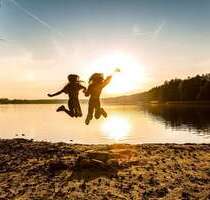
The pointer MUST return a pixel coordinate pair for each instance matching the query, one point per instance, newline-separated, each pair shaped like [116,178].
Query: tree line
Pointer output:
[195,88]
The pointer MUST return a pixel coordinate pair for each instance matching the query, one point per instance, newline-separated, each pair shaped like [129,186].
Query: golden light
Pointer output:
[116,128]
[130,77]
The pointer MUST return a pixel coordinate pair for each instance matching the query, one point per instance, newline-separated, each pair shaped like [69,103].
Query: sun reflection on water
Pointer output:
[116,128]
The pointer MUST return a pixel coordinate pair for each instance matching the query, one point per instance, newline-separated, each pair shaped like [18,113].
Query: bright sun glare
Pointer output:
[129,78]
[116,128]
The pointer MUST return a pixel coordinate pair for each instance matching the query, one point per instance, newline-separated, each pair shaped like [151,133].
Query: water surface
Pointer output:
[125,124]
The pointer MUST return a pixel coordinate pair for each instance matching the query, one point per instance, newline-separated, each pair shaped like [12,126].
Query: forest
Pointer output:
[195,88]
[191,90]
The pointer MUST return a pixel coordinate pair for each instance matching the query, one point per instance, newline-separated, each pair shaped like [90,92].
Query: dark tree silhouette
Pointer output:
[191,89]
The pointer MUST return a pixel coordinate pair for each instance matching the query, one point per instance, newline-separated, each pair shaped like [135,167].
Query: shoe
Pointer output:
[78,115]
[87,121]
[97,114]
[61,108]
[103,112]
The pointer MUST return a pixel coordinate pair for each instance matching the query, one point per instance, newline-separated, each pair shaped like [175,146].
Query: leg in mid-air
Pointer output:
[97,108]
[77,108]
[70,112]
[91,108]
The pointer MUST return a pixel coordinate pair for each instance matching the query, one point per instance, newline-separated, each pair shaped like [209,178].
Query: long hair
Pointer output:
[96,77]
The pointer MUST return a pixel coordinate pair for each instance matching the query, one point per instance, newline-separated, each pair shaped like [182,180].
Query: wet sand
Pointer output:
[41,170]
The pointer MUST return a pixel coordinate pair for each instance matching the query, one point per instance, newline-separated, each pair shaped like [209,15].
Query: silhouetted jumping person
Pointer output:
[96,84]
[72,89]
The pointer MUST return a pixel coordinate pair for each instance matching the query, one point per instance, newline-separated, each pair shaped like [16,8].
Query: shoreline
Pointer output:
[42,170]
[108,101]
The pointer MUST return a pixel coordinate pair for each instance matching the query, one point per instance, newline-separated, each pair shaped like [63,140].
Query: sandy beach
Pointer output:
[41,170]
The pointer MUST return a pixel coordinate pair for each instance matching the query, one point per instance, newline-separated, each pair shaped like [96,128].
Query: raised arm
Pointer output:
[107,81]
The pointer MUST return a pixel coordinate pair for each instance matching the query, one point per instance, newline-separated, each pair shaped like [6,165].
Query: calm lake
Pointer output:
[125,124]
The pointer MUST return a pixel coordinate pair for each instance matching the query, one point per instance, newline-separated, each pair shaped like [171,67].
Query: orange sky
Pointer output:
[44,41]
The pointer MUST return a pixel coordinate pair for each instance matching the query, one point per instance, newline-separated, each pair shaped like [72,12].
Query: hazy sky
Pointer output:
[42,41]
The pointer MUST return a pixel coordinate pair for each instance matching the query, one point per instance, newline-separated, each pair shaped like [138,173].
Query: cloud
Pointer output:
[138,32]
[158,29]
[150,34]
[36,18]
[2,39]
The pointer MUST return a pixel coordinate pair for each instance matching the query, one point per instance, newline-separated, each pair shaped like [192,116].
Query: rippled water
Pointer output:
[125,124]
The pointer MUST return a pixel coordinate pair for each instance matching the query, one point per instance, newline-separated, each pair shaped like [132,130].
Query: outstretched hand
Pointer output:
[49,95]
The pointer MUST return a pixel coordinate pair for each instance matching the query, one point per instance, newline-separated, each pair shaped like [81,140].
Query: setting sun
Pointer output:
[127,73]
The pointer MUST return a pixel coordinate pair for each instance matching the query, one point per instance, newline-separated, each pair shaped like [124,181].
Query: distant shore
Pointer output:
[32,101]
[41,170]
[117,101]
[181,102]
